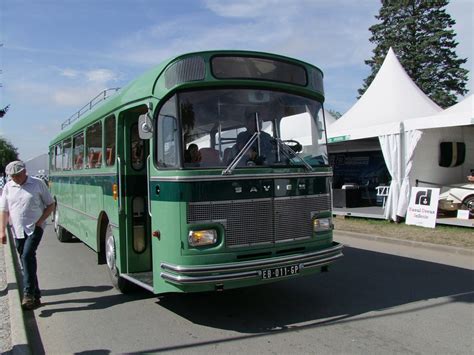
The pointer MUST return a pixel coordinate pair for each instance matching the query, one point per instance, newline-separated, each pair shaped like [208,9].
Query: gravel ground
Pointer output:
[5,341]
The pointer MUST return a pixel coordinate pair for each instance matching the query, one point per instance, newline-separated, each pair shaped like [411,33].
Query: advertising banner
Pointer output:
[423,207]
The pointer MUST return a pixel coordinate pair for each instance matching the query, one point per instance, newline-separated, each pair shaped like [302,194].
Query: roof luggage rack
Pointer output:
[104,95]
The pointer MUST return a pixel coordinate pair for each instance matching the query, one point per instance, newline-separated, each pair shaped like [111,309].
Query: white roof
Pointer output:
[461,114]
[391,98]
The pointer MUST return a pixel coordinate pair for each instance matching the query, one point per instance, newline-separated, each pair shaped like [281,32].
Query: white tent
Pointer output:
[455,124]
[391,98]
[461,114]
[330,119]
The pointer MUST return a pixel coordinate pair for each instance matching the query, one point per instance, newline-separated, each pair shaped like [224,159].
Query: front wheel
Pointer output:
[111,257]
[468,204]
[62,234]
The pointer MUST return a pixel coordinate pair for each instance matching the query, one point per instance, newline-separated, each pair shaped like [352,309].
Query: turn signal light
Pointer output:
[115,191]
[202,237]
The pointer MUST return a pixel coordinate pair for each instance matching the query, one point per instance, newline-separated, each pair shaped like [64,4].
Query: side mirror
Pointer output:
[145,126]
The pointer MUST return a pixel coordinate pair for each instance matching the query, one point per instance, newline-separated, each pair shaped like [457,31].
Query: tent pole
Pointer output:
[401,165]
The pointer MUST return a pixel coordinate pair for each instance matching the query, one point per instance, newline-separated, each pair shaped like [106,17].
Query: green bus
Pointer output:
[209,172]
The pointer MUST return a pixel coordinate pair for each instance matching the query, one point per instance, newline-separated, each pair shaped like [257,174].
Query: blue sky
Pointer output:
[58,54]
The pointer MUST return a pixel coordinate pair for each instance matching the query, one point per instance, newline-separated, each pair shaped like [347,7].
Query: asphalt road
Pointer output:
[372,301]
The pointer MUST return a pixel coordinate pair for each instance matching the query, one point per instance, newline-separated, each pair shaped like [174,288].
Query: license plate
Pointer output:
[277,272]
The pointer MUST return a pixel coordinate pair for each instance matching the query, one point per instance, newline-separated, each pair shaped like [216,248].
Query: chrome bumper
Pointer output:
[201,274]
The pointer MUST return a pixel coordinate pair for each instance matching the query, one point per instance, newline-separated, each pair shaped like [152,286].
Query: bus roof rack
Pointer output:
[103,95]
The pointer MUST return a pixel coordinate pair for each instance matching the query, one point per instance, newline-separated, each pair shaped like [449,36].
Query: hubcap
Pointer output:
[56,220]
[110,251]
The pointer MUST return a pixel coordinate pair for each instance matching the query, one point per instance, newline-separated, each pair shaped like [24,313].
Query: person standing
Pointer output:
[26,202]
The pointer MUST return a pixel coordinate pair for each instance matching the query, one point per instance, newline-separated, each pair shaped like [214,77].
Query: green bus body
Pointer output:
[270,220]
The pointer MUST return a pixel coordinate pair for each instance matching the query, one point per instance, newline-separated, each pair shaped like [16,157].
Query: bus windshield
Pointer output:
[250,128]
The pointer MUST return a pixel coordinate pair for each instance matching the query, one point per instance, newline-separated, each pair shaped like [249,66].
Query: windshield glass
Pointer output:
[249,128]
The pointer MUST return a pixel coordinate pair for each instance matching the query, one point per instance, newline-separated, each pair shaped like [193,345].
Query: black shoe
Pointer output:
[28,302]
[37,303]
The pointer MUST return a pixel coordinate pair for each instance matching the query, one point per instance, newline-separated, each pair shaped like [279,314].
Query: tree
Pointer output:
[3,111]
[420,32]
[8,153]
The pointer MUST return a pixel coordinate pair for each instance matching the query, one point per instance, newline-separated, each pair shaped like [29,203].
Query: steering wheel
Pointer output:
[295,145]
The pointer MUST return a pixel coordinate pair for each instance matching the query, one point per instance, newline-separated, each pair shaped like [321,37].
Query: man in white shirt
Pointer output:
[26,202]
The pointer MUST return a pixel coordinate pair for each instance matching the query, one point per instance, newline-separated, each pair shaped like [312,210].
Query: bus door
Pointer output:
[137,220]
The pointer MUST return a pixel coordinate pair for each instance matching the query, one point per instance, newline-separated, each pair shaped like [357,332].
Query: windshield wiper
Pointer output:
[290,153]
[230,168]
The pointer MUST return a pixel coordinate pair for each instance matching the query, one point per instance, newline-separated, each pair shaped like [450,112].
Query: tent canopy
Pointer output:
[461,114]
[391,98]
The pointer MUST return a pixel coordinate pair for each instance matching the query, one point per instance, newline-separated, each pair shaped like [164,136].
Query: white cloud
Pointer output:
[241,8]
[298,29]
[101,75]
[75,97]
[69,73]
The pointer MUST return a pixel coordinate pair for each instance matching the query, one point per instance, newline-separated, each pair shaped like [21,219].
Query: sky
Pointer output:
[58,54]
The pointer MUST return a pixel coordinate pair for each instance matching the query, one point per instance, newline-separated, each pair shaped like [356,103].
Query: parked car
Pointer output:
[461,196]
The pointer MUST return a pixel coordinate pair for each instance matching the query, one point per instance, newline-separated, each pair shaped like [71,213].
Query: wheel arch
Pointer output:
[102,223]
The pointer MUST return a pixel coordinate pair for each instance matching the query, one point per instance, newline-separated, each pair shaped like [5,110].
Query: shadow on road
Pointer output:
[362,282]
[66,290]
[91,303]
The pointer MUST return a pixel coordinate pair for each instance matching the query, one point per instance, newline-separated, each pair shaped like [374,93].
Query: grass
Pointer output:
[446,235]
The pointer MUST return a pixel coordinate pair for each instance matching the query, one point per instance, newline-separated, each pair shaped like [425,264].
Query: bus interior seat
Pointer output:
[78,162]
[110,156]
[95,159]
[209,156]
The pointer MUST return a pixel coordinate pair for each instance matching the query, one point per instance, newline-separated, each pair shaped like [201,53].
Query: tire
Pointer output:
[62,234]
[119,282]
[468,204]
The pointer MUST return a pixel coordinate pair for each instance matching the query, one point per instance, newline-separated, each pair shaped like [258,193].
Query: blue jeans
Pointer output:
[27,249]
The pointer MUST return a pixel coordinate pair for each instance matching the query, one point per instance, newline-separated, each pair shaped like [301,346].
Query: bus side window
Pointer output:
[67,150]
[109,140]
[78,149]
[58,155]
[94,145]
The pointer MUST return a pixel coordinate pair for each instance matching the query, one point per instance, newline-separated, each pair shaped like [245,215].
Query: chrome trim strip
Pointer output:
[79,174]
[204,279]
[237,177]
[238,276]
[78,211]
[246,265]
[223,202]
[300,196]
[85,214]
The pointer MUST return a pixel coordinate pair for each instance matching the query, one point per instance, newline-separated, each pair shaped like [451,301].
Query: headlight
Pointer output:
[322,224]
[202,237]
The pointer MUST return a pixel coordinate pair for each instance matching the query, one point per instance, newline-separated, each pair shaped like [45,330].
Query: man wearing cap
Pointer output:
[27,202]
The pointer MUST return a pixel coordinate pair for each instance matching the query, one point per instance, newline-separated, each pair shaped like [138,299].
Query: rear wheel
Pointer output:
[62,234]
[111,257]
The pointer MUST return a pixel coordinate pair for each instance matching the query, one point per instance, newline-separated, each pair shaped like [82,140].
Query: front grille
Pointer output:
[250,222]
